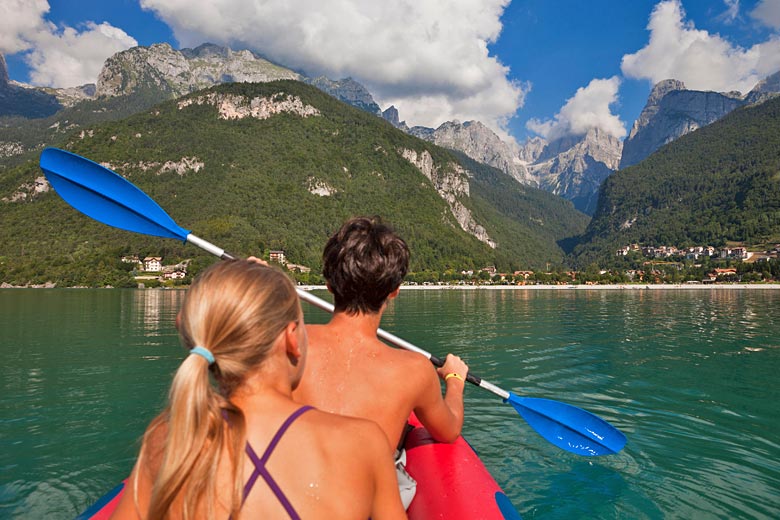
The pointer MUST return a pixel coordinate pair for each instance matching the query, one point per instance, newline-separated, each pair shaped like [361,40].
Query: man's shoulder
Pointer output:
[411,358]
[349,428]
[414,366]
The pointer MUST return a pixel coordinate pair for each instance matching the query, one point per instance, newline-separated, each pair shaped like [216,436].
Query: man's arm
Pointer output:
[443,416]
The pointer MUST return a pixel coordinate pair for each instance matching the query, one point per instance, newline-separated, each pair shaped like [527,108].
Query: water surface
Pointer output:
[691,377]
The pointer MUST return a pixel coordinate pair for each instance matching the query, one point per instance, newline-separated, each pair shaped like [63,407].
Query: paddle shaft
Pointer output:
[382,334]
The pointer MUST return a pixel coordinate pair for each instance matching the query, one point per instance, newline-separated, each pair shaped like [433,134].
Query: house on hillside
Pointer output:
[174,272]
[278,257]
[298,268]
[153,264]
[734,252]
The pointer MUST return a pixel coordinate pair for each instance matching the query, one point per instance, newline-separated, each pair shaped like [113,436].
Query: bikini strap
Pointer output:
[281,431]
[261,470]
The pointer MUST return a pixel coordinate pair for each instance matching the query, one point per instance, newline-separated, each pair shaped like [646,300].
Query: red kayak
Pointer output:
[452,483]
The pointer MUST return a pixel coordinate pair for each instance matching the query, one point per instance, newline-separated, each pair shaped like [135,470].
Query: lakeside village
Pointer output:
[150,271]
[635,264]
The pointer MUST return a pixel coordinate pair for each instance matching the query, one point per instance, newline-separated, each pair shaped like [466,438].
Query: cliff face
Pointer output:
[575,166]
[451,184]
[671,112]
[162,69]
[238,107]
[3,73]
[481,144]
[572,167]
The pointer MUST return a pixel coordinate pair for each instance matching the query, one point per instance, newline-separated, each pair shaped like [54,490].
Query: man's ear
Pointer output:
[394,293]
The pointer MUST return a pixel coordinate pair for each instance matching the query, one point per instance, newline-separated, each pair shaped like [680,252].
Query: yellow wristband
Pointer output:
[453,375]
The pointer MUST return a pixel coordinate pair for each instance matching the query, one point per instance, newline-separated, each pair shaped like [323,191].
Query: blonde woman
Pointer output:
[240,447]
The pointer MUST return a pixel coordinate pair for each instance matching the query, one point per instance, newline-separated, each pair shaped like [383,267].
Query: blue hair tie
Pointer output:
[204,353]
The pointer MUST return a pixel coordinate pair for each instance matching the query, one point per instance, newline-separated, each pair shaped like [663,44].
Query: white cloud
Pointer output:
[19,19]
[703,61]
[68,58]
[588,108]
[57,57]
[427,57]
[767,12]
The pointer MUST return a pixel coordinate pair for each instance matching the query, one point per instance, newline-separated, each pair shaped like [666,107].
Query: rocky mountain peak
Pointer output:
[21,100]
[207,51]
[672,111]
[349,91]
[162,68]
[574,167]
[662,88]
[481,144]
[390,114]
[765,89]
[532,149]
[659,91]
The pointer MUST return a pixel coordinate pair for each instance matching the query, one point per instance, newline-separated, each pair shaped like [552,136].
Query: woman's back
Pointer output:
[320,464]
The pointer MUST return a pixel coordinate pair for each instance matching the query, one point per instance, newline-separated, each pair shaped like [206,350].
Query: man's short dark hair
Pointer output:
[363,262]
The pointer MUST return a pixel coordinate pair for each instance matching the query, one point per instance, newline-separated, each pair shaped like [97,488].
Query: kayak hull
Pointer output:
[452,483]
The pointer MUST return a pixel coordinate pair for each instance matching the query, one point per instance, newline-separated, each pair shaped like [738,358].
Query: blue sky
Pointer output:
[523,67]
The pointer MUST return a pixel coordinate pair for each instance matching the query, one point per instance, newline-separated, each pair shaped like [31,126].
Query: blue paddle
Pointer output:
[111,199]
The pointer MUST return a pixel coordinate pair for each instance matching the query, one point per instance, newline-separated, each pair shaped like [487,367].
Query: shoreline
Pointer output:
[540,287]
[576,287]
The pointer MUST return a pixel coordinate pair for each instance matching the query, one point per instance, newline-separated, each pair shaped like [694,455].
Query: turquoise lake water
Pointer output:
[692,377]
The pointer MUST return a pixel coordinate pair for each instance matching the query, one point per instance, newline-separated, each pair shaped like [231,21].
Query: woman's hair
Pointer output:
[236,310]
[363,262]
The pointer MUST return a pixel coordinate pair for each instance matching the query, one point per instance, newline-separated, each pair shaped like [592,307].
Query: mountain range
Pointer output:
[576,168]
[572,167]
[276,165]
[715,186]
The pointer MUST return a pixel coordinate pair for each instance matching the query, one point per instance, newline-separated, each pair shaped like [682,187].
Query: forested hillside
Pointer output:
[283,182]
[716,185]
[31,134]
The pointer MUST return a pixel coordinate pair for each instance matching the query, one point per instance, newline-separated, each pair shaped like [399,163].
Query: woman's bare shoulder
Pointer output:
[154,446]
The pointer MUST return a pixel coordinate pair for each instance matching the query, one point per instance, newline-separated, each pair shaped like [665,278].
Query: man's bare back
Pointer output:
[349,370]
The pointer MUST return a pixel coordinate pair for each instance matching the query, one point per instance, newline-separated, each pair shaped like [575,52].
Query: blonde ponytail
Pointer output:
[234,310]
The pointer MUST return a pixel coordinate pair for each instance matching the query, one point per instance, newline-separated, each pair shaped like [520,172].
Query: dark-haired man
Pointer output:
[349,371]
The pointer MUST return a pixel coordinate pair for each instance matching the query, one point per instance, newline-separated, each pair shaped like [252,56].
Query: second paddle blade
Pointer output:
[568,427]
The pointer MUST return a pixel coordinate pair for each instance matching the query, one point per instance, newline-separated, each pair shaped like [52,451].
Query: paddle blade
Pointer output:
[568,427]
[105,196]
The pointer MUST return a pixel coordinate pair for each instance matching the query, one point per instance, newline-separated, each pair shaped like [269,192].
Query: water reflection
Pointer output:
[75,397]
